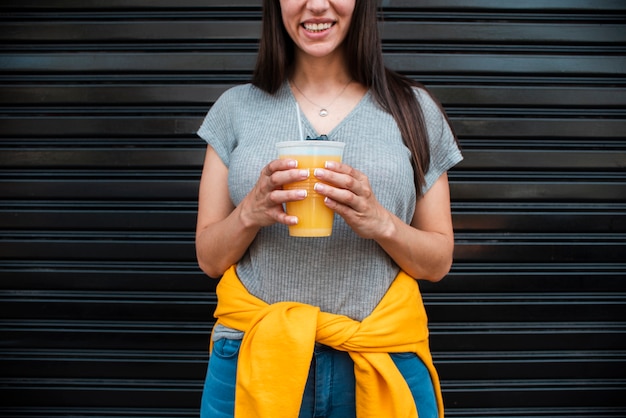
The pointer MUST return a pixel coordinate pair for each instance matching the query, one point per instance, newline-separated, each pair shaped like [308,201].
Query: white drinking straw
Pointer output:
[299,122]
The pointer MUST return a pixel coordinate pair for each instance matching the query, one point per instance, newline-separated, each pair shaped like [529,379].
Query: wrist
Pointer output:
[388,228]
[245,218]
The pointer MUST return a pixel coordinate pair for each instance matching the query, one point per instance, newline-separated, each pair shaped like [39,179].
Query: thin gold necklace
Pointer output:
[323,109]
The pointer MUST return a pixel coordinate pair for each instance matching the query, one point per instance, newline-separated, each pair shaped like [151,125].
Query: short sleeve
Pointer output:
[217,128]
[444,150]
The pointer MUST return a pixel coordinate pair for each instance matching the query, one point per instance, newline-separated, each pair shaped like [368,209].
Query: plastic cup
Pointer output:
[315,219]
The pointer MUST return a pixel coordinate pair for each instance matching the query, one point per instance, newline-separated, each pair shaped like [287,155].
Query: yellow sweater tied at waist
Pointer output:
[279,339]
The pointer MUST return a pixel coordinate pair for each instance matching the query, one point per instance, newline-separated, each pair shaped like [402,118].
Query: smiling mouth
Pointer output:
[317,27]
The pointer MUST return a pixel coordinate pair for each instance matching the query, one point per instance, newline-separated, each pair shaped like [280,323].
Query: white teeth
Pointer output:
[317,27]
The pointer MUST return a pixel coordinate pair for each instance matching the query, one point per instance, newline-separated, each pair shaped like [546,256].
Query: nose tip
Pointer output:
[317,5]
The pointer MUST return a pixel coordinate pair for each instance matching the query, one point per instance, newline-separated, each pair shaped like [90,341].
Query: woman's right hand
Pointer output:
[263,206]
[220,222]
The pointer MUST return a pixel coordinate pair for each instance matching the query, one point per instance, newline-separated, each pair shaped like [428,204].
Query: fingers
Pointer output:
[279,165]
[267,198]
[342,175]
[281,172]
[348,184]
[348,192]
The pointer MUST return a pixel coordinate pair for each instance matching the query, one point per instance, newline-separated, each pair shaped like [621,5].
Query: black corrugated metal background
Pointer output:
[104,312]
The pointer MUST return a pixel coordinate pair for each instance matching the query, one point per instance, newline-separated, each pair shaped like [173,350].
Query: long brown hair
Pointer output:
[393,92]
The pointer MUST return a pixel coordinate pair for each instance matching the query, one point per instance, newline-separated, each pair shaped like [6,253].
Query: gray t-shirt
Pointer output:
[343,273]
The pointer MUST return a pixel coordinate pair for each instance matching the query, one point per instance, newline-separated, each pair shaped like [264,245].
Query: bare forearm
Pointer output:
[421,254]
[224,232]
[222,244]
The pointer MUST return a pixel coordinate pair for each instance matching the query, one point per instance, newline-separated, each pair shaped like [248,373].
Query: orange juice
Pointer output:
[314,218]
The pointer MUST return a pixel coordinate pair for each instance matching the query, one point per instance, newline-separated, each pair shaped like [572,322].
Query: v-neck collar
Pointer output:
[305,121]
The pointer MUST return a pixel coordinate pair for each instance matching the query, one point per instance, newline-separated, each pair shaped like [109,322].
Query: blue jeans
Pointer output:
[330,387]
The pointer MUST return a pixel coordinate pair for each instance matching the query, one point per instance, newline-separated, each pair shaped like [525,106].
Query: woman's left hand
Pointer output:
[423,248]
[349,194]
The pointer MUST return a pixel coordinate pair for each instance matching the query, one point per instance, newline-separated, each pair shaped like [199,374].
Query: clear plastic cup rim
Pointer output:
[311,142]
[308,146]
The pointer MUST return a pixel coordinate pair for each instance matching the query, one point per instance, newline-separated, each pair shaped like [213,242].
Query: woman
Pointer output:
[324,327]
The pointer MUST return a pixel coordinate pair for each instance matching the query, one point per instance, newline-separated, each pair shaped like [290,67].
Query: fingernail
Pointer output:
[302,193]
[329,164]
[304,173]
[292,163]
[318,173]
[318,187]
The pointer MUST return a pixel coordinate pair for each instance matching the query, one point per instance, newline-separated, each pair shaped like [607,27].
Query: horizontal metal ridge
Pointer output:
[440,357]
[131,5]
[451,411]
[487,48]
[184,327]
[533,385]
[470,92]
[100,412]
[540,412]
[538,207]
[178,385]
[461,5]
[179,268]
[523,356]
[105,235]
[574,269]
[99,384]
[542,237]
[101,142]
[422,61]
[530,328]
[133,327]
[109,236]
[498,299]
[106,111]
[68,354]
[188,301]
[548,143]
[194,6]
[85,206]
[119,297]
[90,175]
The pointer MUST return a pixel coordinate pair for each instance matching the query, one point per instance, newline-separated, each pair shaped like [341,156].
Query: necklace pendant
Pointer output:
[323,112]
